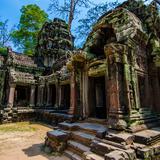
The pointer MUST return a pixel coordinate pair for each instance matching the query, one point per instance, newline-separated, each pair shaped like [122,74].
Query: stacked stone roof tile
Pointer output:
[21,77]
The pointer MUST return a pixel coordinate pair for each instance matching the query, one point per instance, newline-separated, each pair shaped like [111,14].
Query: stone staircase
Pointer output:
[143,119]
[79,145]
[91,141]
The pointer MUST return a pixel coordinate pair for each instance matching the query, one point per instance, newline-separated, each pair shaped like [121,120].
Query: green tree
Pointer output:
[31,20]
[68,8]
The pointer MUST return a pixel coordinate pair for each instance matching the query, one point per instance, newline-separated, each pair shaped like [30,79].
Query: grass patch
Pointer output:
[17,127]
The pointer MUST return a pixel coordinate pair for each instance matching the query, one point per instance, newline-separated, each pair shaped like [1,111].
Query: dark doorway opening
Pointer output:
[97,97]
[22,96]
[141,86]
[65,97]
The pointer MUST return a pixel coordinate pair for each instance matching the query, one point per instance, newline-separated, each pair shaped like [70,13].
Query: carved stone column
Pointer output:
[48,95]
[115,86]
[41,95]
[73,97]
[38,96]
[11,95]
[57,95]
[85,98]
[32,96]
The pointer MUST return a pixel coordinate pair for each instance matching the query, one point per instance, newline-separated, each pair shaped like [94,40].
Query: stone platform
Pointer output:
[53,117]
[92,141]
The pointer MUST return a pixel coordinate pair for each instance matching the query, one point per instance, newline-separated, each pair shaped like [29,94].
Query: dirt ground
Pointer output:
[24,141]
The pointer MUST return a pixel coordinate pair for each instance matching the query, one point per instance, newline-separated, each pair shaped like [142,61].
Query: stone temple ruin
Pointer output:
[104,98]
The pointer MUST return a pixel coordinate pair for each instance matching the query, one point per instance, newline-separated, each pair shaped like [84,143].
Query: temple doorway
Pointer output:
[141,87]
[22,96]
[65,96]
[97,97]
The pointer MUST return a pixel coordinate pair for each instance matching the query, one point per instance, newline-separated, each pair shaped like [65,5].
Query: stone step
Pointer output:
[59,135]
[101,148]
[91,128]
[68,126]
[143,126]
[117,155]
[72,155]
[94,128]
[77,148]
[82,137]
[92,156]
[143,116]
[122,138]
[148,137]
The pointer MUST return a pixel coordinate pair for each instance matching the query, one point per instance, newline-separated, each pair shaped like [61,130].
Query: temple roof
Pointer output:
[21,59]
[123,23]
[21,77]
[54,39]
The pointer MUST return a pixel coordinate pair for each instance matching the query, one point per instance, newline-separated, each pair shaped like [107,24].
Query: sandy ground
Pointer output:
[25,145]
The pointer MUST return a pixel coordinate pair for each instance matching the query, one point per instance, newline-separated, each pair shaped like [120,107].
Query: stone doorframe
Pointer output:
[11,96]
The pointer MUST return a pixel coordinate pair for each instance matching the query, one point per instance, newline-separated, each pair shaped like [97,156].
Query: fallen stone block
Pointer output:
[145,153]
[123,138]
[58,135]
[116,155]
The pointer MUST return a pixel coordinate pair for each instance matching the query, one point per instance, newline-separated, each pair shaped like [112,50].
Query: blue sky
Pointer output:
[10,9]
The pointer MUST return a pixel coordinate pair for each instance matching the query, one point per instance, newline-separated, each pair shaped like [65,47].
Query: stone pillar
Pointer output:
[48,95]
[57,95]
[85,97]
[115,86]
[42,95]
[73,97]
[32,96]
[11,95]
[38,96]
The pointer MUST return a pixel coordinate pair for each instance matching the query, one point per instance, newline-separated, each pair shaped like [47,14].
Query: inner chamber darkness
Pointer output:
[53,94]
[22,95]
[97,97]
[65,96]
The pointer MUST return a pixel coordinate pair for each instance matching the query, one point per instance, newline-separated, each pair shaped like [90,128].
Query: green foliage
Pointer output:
[31,21]
[3,51]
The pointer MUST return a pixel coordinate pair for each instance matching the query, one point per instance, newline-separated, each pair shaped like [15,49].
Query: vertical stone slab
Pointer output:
[38,96]
[85,93]
[32,96]
[48,95]
[11,95]
[73,97]
[57,95]
[114,55]
[42,95]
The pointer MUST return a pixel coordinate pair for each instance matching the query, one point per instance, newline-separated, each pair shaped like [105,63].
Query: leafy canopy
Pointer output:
[31,20]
